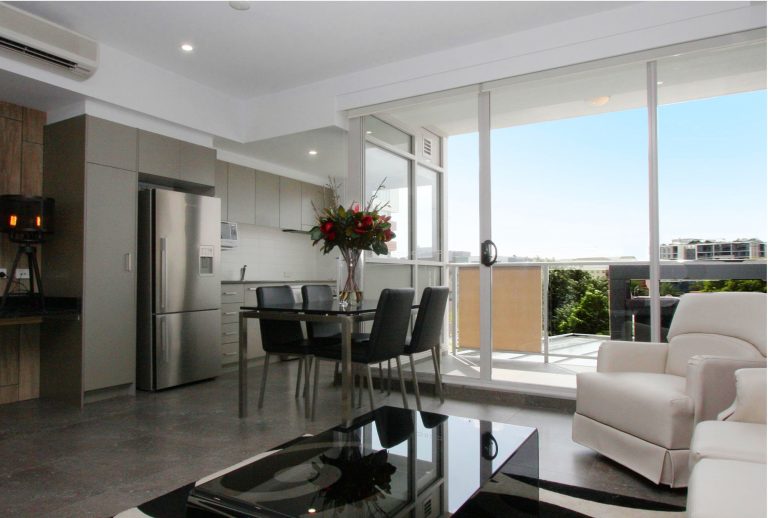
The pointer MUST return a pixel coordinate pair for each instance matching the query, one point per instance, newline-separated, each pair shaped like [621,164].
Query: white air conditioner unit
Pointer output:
[31,36]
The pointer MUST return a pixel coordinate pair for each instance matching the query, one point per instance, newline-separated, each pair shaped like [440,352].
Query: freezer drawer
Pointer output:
[188,347]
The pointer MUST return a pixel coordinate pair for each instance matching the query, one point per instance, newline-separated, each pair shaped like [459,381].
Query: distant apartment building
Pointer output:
[707,250]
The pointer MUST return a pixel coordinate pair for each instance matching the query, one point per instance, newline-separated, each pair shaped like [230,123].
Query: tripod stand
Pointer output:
[34,274]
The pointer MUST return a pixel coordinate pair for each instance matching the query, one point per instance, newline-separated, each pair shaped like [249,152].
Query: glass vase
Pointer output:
[349,278]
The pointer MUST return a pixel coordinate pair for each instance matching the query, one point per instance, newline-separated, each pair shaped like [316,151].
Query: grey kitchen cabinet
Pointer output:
[312,197]
[290,204]
[241,193]
[91,259]
[197,164]
[221,188]
[267,206]
[109,294]
[159,155]
[111,144]
[233,296]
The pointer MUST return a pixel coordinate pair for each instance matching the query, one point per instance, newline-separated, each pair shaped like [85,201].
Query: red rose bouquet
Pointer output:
[352,230]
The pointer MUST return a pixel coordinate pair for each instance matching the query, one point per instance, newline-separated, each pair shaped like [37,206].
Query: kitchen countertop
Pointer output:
[24,310]
[283,281]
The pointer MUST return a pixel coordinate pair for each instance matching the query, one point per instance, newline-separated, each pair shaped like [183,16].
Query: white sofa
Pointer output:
[642,404]
[728,456]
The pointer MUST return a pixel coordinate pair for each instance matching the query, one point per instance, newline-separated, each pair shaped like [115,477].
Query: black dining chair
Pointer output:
[385,341]
[282,337]
[319,331]
[426,335]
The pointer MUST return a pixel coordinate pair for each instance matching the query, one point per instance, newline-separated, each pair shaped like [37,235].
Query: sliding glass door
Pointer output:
[578,204]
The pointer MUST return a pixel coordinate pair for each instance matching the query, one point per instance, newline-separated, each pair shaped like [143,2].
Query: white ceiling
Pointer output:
[699,75]
[292,152]
[280,45]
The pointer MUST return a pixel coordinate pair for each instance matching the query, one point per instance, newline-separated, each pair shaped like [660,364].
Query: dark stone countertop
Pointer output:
[24,306]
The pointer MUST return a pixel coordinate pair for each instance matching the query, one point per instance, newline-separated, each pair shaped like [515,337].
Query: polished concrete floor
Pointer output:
[115,454]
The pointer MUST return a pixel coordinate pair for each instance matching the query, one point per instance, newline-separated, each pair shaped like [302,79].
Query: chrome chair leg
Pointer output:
[389,377]
[264,373]
[402,383]
[359,388]
[302,359]
[370,386]
[438,375]
[317,382]
[415,383]
[307,400]
[381,377]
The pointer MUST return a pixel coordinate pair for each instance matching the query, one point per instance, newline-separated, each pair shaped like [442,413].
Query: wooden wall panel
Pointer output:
[31,169]
[9,356]
[21,172]
[10,156]
[29,362]
[11,111]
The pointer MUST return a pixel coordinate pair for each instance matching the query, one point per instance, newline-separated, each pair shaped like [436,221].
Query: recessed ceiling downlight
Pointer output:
[601,100]
[240,6]
[187,47]
[313,152]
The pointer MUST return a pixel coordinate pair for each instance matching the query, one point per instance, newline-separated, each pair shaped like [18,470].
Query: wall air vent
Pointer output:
[428,508]
[427,148]
[29,36]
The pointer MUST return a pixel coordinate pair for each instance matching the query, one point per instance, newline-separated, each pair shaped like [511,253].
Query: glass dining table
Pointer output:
[348,317]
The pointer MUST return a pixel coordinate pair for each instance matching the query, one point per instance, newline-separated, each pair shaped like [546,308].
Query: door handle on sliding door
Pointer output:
[485,253]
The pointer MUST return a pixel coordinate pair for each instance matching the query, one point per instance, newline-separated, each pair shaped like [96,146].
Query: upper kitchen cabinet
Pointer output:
[166,157]
[290,204]
[158,155]
[221,186]
[111,144]
[312,197]
[241,194]
[197,164]
[267,200]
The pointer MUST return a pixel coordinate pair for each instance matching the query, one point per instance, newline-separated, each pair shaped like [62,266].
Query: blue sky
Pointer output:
[578,187]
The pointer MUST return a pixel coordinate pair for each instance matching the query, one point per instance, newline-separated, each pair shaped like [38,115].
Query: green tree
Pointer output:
[567,290]
[590,315]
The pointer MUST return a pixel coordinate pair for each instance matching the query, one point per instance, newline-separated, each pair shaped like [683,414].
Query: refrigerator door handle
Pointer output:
[127,262]
[163,273]
[164,346]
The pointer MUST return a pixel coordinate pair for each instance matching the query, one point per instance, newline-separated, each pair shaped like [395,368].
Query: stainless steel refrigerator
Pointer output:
[179,296]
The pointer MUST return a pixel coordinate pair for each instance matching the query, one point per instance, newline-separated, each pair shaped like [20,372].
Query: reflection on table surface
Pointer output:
[389,462]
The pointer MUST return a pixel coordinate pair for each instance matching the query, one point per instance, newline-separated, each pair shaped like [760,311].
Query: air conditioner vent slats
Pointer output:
[34,39]
[36,53]
[427,149]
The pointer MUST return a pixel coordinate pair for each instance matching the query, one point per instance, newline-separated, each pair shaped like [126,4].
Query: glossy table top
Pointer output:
[321,308]
[380,465]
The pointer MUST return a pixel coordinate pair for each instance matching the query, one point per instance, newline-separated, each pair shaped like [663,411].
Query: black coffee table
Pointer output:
[390,462]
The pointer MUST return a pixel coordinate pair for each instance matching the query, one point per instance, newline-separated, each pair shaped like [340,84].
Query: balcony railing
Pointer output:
[526,306]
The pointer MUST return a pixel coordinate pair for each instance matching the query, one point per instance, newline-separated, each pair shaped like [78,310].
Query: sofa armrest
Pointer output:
[711,383]
[750,403]
[617,356]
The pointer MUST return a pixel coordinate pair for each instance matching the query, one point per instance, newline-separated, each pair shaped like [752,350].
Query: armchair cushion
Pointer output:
[653,407]
[730,440]
[719,488]
[750,403]
[618,356]
[711,383]
[683,347]
[739,315]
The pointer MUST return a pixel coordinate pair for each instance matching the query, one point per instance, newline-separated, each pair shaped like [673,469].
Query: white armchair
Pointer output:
[642,404]
[728,456]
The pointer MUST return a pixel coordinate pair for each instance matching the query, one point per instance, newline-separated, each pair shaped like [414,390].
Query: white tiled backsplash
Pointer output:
[272,254]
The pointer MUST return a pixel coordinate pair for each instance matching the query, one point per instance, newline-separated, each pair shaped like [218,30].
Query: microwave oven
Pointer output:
[229,238]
